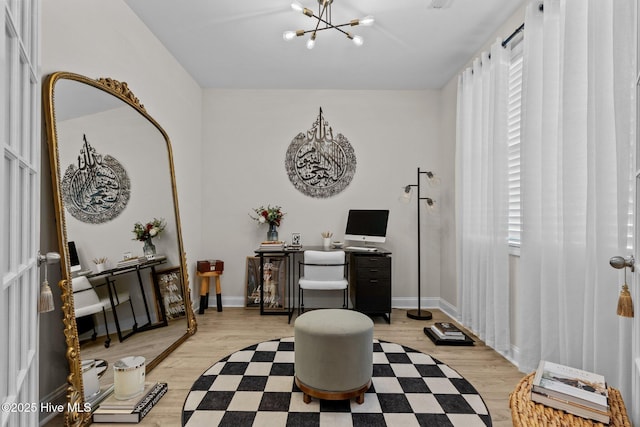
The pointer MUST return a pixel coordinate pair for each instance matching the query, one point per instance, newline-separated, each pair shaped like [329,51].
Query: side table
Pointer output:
[526,413]
[204,289]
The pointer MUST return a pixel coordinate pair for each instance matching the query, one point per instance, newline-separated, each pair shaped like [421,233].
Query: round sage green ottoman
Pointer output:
[333,354]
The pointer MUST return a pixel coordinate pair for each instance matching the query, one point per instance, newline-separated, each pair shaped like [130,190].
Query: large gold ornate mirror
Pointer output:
[112,168]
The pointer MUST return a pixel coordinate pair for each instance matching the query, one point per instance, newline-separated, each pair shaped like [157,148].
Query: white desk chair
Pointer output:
[323,271]
[87,303]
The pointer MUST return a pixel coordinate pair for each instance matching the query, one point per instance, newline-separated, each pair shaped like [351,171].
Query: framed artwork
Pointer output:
[275,282]
[296,240]
[170,285]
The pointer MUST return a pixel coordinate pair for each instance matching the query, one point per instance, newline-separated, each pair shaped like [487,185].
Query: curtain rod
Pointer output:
[515,33]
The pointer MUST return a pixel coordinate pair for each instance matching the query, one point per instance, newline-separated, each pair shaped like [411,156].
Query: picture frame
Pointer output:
[169,281]
[276,279]
[296,239]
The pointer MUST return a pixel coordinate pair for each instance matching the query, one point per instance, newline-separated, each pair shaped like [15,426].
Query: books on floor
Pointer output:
[447,331]
[132,410]
[573,390]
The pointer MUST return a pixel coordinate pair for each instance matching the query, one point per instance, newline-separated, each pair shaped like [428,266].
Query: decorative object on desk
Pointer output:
[275,280]
[101,264]
[170,286]
[145,232]
[573,390]
[319,164]
[326,239]
[625,303]
[269,215]
[296,240]
[419,314]
[108,413]
[97,189]
[337,245]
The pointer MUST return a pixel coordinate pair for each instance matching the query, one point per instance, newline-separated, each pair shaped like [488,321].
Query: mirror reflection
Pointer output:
[120,230]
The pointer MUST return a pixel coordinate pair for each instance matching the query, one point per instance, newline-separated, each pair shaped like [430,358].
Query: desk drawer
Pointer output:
[379,262]
[365,275]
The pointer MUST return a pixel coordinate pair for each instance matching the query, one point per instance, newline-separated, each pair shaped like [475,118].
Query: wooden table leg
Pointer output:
[218,293]
[204,293]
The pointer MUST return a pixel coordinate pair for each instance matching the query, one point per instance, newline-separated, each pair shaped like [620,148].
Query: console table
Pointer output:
[369,279]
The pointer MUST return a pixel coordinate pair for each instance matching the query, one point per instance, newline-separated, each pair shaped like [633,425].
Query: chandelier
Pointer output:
[323,22]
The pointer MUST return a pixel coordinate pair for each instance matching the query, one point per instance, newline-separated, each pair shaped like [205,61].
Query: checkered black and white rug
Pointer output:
[255,387]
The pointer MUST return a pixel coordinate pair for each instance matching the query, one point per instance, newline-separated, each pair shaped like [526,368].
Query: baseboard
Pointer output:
[411,302]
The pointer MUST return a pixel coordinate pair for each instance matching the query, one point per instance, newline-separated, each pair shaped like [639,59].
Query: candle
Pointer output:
[128,377]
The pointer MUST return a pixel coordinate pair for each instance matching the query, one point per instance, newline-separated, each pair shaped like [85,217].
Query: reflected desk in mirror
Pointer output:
[121,294]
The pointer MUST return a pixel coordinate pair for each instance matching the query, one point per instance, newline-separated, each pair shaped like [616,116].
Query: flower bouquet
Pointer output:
[150,229]
[269,215]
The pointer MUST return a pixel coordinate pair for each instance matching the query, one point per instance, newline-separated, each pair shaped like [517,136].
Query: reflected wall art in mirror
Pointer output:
[118,231]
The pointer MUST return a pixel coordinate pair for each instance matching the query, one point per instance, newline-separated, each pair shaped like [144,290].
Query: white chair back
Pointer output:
[324,272]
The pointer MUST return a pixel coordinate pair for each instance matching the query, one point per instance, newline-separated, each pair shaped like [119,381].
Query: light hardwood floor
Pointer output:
[220,334]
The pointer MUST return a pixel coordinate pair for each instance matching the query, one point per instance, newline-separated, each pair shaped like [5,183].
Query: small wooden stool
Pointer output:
[204,290]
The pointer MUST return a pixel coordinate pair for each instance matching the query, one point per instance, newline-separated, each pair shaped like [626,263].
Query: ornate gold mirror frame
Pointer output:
[76,414]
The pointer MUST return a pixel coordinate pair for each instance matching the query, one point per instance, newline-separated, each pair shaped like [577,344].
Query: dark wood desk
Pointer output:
[109,275]
[370,279]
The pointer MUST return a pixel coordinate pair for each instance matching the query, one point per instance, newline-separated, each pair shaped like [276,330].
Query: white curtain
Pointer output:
[482,198]
[577,132]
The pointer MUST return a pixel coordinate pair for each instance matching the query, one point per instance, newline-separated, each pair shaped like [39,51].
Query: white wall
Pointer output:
[246,135]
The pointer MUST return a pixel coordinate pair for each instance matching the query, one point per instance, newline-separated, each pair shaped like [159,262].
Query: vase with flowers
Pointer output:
[271,215]
[145,233]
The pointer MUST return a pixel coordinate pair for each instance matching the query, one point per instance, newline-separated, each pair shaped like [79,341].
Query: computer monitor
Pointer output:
[73,258]
[367,225]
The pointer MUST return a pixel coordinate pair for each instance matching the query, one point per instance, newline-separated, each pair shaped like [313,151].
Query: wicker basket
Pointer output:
[525,412]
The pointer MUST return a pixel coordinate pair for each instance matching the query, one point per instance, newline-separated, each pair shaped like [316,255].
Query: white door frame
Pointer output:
[20,136]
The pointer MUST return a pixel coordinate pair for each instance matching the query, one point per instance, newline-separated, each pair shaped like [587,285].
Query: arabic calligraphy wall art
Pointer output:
[319,164]
[97,189]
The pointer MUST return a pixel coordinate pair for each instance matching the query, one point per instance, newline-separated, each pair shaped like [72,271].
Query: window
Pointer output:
[513,128]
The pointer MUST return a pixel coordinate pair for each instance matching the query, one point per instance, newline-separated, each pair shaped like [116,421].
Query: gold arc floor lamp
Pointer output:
[419,313]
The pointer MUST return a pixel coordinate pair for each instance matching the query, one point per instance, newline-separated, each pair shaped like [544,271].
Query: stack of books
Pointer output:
[575,391]
[275,245]
[447,331]
[129,262]
[132,410]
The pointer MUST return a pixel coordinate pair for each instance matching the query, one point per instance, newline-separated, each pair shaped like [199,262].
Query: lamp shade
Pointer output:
[405,197]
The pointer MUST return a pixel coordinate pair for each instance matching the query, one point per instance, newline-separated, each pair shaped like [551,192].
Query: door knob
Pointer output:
[621,262]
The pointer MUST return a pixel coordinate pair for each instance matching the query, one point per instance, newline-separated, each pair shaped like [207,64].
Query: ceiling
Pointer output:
[238,44]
